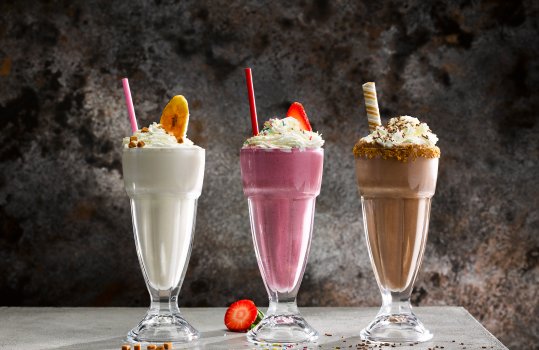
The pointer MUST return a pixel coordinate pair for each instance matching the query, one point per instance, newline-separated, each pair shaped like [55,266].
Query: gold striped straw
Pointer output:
[371,103]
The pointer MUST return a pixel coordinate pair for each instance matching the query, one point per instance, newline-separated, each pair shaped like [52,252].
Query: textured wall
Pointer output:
[468,68]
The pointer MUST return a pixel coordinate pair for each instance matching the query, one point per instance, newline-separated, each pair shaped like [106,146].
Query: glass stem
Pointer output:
[395,304]
[282,306]
[163,303]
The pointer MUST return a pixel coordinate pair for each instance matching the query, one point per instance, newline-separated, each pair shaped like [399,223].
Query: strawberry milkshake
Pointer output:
[281,170]
[281,187]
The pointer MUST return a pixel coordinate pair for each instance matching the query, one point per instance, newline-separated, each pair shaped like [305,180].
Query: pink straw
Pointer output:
[129,103]
[252,104]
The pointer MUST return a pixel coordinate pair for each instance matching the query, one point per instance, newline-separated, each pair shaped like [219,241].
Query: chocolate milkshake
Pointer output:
[397,167]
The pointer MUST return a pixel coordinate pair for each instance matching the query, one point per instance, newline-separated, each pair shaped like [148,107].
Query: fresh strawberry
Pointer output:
[242,315]
[297,111]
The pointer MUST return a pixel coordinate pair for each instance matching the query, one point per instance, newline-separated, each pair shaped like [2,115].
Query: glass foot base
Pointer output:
[282,329]
[396,328]
[163,328]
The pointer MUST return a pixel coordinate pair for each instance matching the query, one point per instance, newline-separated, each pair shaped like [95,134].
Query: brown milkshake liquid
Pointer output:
[396,196]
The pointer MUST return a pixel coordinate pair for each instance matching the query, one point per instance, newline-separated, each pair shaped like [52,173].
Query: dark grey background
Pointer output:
[468,68]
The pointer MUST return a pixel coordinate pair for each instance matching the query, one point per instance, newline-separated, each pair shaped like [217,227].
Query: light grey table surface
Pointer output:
[32,328]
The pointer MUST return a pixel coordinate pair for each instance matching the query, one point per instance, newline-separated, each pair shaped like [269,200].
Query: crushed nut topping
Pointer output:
[402,153]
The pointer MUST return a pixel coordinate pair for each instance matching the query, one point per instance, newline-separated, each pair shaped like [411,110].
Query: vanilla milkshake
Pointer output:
[163,182]
[163,175]
[397,167]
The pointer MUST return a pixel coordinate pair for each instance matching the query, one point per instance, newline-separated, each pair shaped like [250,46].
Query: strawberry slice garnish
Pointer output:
[242,316]
[297,112]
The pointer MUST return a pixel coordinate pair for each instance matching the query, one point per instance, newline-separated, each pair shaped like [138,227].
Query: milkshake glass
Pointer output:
[281,187]
[163,185]
[396,185]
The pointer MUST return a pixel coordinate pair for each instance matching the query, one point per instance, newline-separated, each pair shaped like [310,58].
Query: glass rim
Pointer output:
[283,150]
[163,149]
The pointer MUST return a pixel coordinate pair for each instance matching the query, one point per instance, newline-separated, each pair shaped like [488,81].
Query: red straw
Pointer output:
[252,104]
[129,103]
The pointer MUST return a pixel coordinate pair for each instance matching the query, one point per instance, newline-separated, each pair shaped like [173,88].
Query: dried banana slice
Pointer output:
[175,117]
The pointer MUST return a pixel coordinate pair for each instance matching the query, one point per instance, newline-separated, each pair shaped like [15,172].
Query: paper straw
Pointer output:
[252,104]
[129,103]
[371,104]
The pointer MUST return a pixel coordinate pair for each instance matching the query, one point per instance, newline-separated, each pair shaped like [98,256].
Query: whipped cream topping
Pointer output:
[402,131]
[155,136]
[284,133]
